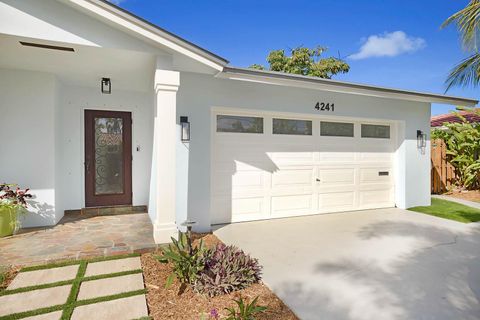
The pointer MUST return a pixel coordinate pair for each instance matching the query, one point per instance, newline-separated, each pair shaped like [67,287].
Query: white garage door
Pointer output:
[269,166]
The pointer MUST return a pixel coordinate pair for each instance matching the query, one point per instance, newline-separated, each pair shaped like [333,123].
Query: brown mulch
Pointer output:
[171,303]
[9,273]
[470,195]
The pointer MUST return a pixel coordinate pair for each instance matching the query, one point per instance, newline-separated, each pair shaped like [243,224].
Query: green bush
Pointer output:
[187,260]
[227,269]
[246,311]
[463,146]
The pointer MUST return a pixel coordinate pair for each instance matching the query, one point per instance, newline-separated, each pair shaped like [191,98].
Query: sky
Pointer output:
[391,43]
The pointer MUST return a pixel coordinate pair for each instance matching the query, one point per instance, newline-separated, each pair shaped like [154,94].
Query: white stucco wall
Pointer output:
[73,100]
[27,147]
[198,94]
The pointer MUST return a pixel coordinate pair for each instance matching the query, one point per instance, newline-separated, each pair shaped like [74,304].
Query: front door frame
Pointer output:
[125,198]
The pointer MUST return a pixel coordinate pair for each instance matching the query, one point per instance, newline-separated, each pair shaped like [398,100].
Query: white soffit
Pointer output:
[127,21]
[293,80]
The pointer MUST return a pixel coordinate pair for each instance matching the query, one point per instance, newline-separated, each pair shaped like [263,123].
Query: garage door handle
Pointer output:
[318,180]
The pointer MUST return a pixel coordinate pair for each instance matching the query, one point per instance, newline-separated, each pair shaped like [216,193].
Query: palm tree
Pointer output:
[467,20]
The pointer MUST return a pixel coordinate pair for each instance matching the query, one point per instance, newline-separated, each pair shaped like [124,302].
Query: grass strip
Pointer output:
[73,262]
[32,313]
[111,297]
[72,298]
[111,275]
[65,282]
[51,265]
[37,287]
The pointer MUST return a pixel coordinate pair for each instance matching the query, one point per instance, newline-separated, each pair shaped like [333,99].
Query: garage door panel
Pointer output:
[292,205]
[336,201]
[376,198]
[375,175]
[336,157]
[335,176]
[292,177]
[375,157]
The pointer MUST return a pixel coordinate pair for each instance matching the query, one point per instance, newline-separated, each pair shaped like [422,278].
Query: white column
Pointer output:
[163,184]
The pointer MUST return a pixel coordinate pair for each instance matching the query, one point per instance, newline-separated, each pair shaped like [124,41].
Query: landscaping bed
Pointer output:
[182,303]
[450,210]
[6,276]
[470,195]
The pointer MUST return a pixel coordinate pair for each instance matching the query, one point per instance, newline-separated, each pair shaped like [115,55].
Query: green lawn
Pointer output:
[450,210]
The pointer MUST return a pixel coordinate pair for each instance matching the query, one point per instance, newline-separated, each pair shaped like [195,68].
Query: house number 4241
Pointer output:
[322,106]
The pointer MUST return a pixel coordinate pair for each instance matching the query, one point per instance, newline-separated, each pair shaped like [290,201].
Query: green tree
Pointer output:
[304,61]
[467,20]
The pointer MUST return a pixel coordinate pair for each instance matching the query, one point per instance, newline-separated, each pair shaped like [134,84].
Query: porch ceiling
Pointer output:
[85,66]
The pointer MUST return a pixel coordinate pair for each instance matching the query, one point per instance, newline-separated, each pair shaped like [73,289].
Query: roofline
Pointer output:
[282,78]
[140,22]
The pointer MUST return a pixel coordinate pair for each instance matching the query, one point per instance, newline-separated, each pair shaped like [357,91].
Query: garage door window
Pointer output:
[295,127]
[336,129]
[375,131]
[239,124]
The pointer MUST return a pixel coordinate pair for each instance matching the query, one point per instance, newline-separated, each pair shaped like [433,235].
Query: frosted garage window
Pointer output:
[336,129]
[288,126]
[239,124]
[375,131]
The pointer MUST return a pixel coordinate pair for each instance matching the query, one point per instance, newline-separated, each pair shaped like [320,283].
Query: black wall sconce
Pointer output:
[106,85]
[421,139]
[185,129]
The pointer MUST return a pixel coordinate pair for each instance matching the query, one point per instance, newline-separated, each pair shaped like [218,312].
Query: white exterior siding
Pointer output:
[199,94]
[27,147]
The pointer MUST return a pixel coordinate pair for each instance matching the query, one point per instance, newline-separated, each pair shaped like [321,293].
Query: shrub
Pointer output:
[463,146]
[187,260]
[246,311]
[227,269]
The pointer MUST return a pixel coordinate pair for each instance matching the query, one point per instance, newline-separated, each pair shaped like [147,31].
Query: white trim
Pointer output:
[292,80]
[113,15]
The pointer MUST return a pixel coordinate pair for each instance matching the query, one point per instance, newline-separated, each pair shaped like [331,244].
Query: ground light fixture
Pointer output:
[185,135]
[106,85]
[189,224]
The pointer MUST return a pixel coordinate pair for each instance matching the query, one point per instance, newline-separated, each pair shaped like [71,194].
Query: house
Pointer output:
[439,120]
[102,108]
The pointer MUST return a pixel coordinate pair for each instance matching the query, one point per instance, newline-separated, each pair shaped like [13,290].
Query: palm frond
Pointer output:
[468,24]
[466,73]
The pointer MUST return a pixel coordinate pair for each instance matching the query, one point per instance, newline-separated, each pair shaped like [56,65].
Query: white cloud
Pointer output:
[388,45]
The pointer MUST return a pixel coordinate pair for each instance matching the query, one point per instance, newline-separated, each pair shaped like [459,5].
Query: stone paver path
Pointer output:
[116,287]
[79,236]
[458,200]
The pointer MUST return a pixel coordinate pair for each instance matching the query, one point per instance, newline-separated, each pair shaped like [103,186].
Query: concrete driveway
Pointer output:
[377,264]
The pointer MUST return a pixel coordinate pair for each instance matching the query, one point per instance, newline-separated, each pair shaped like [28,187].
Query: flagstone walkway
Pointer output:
[79,236]
[102,290]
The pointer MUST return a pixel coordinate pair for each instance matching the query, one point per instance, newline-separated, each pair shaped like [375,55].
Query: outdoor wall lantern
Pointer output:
[185,129]
[106,85]
[421,139]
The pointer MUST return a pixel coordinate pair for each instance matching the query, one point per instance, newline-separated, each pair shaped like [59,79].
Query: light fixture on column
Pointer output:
[106,85]
[185,129]
[421,139]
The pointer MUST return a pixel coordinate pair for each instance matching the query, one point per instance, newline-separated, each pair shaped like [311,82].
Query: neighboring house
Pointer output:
[262,144]
[439,120]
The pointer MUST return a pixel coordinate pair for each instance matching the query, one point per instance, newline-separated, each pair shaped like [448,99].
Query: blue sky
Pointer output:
[393,43]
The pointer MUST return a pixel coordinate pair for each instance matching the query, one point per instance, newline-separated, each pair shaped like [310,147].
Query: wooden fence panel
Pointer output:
[443,172]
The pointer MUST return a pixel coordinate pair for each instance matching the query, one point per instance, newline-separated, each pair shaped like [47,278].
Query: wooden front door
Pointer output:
[108,158]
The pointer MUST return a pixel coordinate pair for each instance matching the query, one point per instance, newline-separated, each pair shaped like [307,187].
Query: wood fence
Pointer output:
[443,173]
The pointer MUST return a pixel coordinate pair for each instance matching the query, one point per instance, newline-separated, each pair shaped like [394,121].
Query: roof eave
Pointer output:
[153,32]
[279,78]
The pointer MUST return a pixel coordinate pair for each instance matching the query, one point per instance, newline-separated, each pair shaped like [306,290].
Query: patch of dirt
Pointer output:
[470,195]
[8,275]
[169,304]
